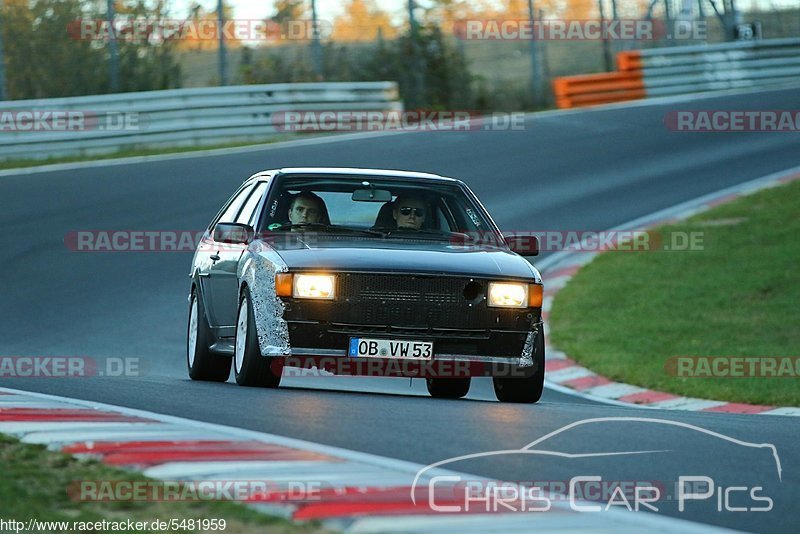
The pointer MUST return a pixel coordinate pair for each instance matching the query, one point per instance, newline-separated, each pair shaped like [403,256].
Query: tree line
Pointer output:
[46,56]
[48,53]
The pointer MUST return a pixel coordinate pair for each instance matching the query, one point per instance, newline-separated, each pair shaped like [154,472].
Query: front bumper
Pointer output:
[457,353]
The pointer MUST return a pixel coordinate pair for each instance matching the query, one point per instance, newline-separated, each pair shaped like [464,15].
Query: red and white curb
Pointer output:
[359,492]
[567,376]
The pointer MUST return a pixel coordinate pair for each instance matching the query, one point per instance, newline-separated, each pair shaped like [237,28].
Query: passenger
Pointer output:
[409,212]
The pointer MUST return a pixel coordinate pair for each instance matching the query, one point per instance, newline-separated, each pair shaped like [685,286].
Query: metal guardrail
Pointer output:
[183,117]
[684,70]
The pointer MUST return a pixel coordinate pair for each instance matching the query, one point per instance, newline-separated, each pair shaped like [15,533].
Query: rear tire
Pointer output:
[524,389]
[448,388]
[250,367]
[202,364]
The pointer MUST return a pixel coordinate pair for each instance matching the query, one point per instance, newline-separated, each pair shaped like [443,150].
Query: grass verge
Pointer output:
[129,153]
[626,314]
[35,484]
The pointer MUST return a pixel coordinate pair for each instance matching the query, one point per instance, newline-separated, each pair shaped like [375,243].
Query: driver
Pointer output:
[409,212]
[306,208]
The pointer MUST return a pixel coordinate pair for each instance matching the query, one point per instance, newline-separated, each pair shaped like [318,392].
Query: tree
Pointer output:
[448,80]
[448,13]
[362,20]
[581,10]
[200,31]
[518,9]
[288,10]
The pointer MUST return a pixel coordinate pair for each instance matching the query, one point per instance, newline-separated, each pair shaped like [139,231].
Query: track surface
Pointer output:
[590,170]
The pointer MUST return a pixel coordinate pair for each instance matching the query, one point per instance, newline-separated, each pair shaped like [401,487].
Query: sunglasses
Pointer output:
[406,211]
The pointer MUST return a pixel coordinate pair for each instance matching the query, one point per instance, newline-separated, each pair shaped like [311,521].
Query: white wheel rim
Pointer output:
[241,334]
[192,344]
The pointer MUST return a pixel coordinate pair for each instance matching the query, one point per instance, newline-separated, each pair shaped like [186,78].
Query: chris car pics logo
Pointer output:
[447,491]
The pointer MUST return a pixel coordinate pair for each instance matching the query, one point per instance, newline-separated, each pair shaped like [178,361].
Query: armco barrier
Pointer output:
[682,70]
[186,117]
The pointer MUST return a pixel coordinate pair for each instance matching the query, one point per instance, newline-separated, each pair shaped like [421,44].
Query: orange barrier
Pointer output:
[607,87]
[630,60]
[586,90]
[596,99]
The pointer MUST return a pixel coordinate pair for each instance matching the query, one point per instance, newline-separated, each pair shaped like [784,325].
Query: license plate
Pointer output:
[361,347]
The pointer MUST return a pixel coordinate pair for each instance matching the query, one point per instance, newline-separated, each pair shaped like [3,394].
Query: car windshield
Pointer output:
[374,208]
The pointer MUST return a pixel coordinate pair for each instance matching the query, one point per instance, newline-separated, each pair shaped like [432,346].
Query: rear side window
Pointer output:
[234,205]
[246,215]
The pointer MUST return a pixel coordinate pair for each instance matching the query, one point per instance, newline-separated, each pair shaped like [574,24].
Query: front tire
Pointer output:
[448,388]
[202,364]
[250,367]
[524,389]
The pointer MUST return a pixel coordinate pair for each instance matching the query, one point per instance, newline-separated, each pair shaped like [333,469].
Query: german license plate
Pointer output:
[401,349]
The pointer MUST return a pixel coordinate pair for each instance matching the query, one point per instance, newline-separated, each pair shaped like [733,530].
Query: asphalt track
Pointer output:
[579,171]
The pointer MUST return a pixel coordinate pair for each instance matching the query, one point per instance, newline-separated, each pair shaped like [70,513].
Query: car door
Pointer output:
[217,270]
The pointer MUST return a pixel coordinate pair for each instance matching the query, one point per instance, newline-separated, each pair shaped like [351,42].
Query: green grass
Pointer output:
[626,313]
[133,152]
[34,484]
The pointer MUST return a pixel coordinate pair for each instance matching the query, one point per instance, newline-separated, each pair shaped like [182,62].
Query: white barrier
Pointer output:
[685,69]
[181,117]
[692,69]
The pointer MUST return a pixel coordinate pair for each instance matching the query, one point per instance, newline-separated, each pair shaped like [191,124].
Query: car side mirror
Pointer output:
[234,233]
[524,245]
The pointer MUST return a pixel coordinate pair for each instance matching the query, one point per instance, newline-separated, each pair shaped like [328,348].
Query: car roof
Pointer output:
[349,171]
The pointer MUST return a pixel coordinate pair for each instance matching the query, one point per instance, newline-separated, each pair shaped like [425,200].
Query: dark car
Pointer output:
[364,272]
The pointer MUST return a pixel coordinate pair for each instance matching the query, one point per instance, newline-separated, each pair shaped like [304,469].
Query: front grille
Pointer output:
[408,301]
[452,333]
[408,304]
[402,288]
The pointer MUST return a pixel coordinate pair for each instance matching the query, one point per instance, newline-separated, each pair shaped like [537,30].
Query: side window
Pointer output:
[229,215]
[455,212]
[246,215]
[442,221]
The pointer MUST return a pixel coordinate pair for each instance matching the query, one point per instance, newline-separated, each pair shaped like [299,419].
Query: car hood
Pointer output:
[417,256]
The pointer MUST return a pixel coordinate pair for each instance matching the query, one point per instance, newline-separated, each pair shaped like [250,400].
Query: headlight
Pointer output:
[314,286]
[508,295]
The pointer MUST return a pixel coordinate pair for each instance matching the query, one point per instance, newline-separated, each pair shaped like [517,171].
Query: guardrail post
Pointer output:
[416,97]
[536,71]
[223,71]
[113,60]
[316,46]
[3,95]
